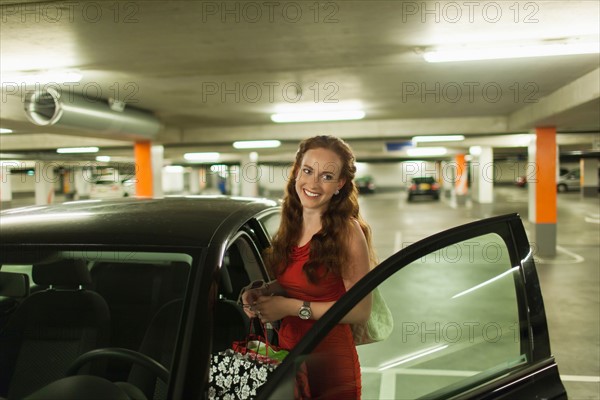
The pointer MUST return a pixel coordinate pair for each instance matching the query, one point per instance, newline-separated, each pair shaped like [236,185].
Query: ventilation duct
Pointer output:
[50,107]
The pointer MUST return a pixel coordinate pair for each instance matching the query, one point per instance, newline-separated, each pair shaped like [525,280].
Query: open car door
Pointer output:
[469,321]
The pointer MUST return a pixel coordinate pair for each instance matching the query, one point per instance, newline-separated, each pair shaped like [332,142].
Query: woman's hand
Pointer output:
[272,308]
[249,299]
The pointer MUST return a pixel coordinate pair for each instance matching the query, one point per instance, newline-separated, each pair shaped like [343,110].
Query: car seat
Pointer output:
[229,323]
[51,328]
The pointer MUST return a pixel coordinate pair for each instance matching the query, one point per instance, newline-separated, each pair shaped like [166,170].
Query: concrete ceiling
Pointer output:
[214,72]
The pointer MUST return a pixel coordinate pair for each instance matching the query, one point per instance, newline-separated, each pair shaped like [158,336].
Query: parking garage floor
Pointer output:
[570,281]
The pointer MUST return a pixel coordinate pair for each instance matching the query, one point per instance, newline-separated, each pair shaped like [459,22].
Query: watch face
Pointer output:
[304,312]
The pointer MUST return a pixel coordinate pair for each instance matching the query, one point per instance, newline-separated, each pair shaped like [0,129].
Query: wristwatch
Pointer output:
[305,312]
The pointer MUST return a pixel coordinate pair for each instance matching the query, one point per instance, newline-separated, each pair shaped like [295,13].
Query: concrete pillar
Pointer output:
[233,177]
[542,190]
[5,185]
[482,175]
[82,182]
[194,181]
[157,153]
[45,179]
[589,177]
[447,176]
[250,175]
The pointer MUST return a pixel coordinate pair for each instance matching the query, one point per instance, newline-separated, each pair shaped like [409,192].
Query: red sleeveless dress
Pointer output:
[333,370]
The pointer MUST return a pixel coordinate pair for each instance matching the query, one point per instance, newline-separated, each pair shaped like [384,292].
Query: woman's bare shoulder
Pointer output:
[356,231]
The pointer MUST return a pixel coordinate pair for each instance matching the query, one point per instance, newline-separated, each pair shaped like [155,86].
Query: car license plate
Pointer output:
[424,186]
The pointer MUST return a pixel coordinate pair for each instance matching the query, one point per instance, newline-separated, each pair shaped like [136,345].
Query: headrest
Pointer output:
[62,273]
[14,284]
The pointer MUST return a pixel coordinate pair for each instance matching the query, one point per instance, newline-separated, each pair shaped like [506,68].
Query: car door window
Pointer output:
[456,320]
[461,316]
[270,223]
[242,264]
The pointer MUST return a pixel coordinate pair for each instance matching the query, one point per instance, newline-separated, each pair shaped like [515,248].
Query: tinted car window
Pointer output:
[423,180]
[142,293]
[271,223]
[456,321]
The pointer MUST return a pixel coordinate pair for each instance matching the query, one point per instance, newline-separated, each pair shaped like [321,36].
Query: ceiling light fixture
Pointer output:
[71,150]
[206,156]
[41,77]
[103,158]
[426,151]
[174,169]
[315,116]
[5,130]
[475,150]
[491,52]
[257,144]
[442,138]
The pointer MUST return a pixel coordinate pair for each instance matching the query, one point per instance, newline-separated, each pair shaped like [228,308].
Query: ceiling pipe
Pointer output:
[51,107]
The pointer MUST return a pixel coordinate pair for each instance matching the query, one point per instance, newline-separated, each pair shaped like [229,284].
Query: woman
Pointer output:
[323,247]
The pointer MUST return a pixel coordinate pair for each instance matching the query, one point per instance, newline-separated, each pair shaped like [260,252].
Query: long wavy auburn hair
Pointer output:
[330,246]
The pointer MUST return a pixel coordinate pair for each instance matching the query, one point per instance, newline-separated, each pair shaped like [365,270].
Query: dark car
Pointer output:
[424,186]
[129,298]
[365,184]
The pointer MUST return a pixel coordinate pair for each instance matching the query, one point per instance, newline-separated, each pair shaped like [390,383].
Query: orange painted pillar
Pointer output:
[545,190]
[143,169]
[461,182]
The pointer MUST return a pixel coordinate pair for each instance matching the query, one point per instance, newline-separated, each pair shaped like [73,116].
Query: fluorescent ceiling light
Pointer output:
[491,52]
[443,138]
[475,150]
[69,150]
[41,77]
[314,116]
[256,144]
[174,168]
[426,151]
[207,156]
[524,140]
[5,130]
[103,158]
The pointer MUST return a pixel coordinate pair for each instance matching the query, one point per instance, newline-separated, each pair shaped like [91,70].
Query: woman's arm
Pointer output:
[274,307]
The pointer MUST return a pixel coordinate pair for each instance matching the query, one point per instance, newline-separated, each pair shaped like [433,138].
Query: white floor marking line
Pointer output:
[397,241]
[419,371]
[387,386]
[592,220]
[576,257]
[580,378]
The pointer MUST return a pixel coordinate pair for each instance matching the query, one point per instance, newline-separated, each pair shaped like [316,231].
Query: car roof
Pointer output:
[171,221]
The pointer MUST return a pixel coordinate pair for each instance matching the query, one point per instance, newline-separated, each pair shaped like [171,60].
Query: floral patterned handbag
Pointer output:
[237,373]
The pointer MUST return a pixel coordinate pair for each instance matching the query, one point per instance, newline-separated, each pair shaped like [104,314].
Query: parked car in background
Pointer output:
[136,294]
[569,181]
[521,181]
[424,186]
[111,186]
[365,184]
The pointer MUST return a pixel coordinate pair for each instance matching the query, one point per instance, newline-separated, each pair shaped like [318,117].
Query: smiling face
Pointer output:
[318,178]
